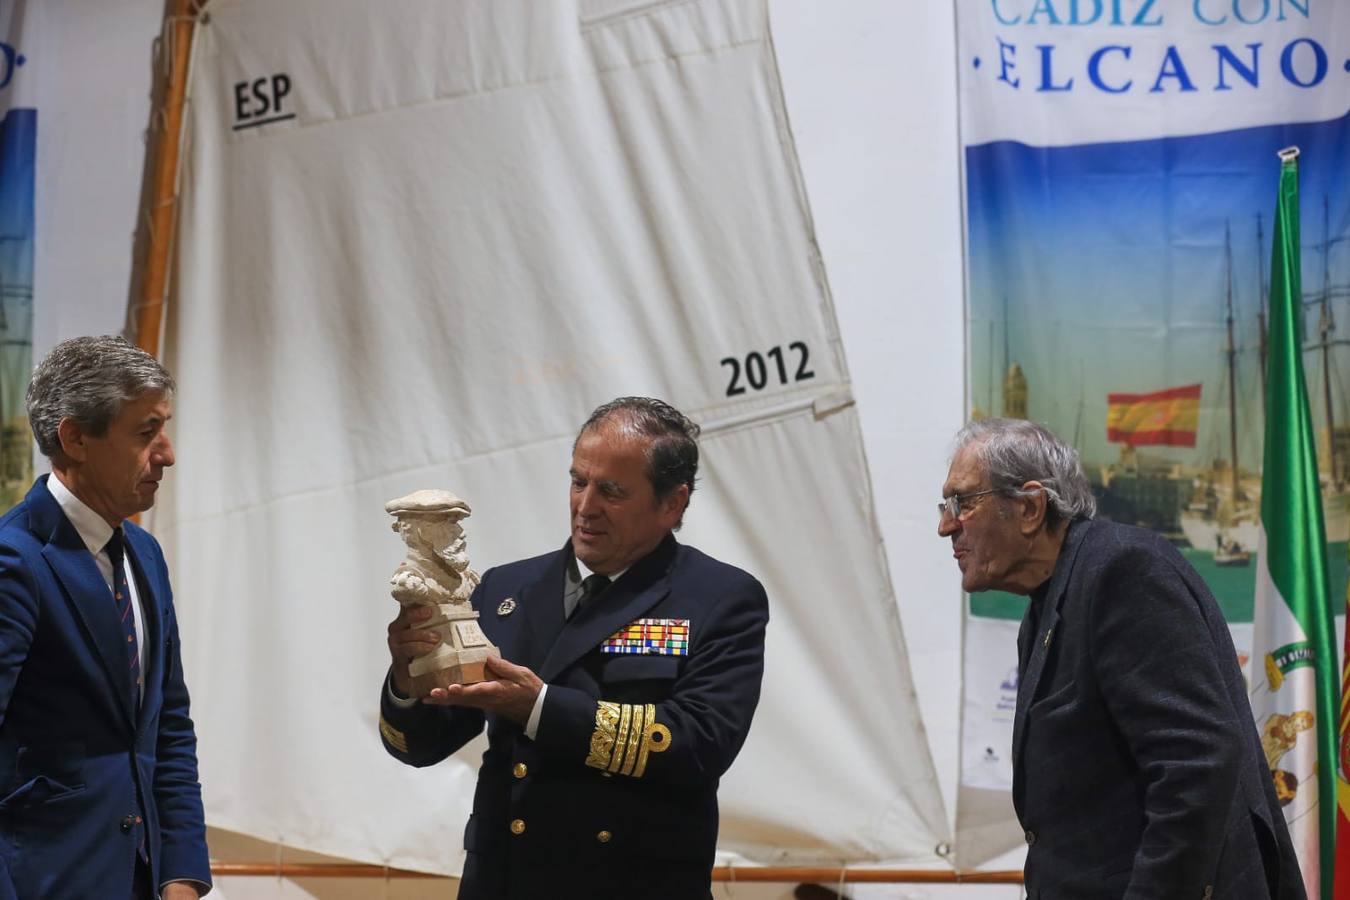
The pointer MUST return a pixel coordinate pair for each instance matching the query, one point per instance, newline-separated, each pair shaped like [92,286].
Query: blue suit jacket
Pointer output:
[1137,769]
[78,762]
[598,818]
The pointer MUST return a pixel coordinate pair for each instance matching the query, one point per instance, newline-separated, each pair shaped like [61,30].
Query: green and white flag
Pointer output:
[1294,680]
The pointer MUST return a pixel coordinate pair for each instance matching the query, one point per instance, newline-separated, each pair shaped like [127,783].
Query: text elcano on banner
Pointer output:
[1168,417]
[1295,705]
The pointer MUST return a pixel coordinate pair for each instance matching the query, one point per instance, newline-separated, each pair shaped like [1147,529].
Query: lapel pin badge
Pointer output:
[1048,634]
[507,607]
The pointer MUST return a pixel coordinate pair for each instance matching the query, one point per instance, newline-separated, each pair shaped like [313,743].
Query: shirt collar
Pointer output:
[92,528]
[583,571]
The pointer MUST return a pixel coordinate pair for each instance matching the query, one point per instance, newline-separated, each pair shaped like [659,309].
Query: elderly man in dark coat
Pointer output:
[1137,769]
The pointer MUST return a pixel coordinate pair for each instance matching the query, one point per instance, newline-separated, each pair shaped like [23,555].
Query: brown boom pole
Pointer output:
[164,146]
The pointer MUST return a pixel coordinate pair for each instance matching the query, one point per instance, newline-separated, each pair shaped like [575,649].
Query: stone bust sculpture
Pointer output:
[436,570]
[436,573]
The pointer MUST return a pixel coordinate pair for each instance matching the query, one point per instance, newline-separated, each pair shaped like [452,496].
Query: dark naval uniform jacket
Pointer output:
[651,688]
[1137,768]
[91,775]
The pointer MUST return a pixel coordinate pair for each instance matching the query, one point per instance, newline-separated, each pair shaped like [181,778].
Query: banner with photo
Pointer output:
[1120,182]
[18,145]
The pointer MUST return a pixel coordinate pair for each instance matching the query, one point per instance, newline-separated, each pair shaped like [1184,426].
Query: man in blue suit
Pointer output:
[98,753]
[635,670]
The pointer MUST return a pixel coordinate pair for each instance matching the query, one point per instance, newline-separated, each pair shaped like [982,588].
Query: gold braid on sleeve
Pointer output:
[630,752]
[625,736]
[602,739]
[393,737]
[655,739]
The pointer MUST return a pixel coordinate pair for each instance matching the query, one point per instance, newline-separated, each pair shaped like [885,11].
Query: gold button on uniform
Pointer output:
[520,770]
[603,837]
[517,826]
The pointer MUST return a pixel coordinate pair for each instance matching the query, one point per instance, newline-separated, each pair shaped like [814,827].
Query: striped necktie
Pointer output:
[116,549]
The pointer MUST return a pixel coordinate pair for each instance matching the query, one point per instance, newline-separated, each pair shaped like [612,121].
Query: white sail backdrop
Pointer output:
[418,244]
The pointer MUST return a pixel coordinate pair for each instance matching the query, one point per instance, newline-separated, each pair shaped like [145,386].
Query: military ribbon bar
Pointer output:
[658,637]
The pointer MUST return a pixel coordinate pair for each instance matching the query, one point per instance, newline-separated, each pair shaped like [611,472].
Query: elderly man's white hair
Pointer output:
[1015,451]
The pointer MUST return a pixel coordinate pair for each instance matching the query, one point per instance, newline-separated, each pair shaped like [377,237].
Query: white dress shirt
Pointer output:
[95,532]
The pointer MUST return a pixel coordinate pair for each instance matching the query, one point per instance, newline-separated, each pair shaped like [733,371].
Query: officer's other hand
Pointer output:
[510,691]
[408,639]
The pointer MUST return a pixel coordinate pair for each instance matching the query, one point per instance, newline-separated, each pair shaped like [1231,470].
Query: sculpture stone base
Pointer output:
[462,656]
[463,672]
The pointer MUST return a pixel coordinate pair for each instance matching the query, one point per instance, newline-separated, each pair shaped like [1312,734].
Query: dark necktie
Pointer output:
[591,587]
[116,550]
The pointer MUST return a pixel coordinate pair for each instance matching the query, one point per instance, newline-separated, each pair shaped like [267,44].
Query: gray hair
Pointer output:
[87,379]
[1015,451]
[672,451]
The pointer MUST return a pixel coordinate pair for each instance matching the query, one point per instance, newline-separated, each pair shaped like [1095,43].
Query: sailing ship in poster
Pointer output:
[1189,460]
[1220,510]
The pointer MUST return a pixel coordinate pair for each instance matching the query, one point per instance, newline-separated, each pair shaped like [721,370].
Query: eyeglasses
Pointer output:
[951,506]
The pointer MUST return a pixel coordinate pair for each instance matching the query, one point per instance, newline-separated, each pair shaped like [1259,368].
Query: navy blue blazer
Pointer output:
[618,796]
[1137,768]
[84,775]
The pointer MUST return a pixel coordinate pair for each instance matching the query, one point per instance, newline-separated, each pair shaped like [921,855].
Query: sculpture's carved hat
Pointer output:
[427,503]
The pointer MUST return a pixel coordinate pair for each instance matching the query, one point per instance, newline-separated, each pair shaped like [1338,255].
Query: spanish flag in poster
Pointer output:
[1167,417]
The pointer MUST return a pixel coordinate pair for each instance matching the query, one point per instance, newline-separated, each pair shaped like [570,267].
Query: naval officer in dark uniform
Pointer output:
[630,670]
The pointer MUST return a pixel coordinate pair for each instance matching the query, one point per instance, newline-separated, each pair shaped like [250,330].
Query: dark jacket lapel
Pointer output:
[541,603]
[1043,637]
[638,590]
[88,594]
